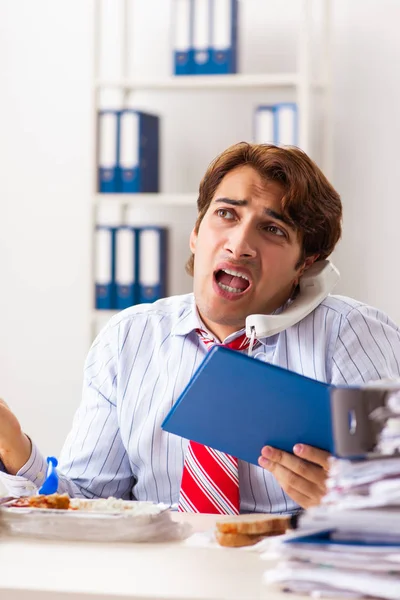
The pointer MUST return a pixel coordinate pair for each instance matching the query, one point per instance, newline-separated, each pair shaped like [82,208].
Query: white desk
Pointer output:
[43,570]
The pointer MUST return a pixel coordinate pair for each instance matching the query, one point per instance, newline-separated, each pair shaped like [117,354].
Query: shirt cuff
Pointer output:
[35,468]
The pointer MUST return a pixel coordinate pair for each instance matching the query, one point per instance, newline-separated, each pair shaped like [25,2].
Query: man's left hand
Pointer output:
[303,476]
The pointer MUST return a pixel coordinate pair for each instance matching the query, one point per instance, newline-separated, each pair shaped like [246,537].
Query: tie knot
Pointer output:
[241,342]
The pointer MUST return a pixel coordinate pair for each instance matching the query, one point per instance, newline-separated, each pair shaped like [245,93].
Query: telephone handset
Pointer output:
[315,285]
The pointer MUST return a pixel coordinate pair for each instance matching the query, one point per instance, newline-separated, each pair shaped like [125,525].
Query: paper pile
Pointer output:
[350,545]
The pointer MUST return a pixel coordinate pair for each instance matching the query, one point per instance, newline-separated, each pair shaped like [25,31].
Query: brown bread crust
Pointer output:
[255,524]
[237,540]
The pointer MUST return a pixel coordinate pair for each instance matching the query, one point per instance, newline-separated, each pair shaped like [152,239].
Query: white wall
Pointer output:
[45,184]
[46,177]
[367,134]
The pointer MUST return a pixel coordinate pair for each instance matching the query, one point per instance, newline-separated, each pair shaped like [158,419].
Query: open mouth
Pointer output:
[232,281]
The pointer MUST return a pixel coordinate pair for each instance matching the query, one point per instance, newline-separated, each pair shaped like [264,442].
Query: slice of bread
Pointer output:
[237,540]
[254,524]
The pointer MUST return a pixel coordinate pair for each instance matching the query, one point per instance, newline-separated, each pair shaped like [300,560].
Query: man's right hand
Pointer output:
[15,446]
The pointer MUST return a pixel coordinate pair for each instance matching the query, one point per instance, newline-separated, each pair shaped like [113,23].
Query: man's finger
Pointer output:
[304,469]
[293,484]
[314,455]
[301,500]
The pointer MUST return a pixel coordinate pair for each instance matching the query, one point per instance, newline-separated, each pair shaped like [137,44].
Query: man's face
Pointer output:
[245,254]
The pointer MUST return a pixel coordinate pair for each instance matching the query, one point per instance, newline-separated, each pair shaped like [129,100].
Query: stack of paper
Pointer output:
[350,545]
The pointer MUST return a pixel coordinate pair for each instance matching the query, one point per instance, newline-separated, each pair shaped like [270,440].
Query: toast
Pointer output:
[237,540]
[254,524]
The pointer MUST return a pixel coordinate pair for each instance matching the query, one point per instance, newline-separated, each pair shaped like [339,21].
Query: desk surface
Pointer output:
[33,570]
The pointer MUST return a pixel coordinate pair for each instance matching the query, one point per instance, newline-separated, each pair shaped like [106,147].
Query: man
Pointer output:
[265,215]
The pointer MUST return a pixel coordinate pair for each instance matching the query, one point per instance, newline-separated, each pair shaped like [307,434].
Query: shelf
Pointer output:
[205,82]
[152,199]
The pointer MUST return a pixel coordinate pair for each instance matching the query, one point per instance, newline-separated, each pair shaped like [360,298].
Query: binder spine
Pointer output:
[129,151]
[201,57]
[105,267]
[183,34]
[126,267]
[152,256]
[108,219]
[149,153]
[276,124]
[265,125]
[107,151]
[235,37]
[286,124]
[225,36]
[139,152]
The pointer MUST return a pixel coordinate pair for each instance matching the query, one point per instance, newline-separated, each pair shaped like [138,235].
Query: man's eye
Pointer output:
[275,230]
[224,213]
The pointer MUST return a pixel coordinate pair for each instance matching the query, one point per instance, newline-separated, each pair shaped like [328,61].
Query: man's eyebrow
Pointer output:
[232,202]
[268,211]
[279,217]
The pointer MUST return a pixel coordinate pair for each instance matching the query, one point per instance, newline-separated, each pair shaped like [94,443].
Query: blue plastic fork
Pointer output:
[50,484]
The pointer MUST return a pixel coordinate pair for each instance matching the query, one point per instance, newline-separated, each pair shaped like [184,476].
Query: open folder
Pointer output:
[238,404]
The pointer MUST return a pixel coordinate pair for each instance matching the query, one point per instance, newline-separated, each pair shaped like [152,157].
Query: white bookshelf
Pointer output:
[212,82]
[302,84]
[206,82]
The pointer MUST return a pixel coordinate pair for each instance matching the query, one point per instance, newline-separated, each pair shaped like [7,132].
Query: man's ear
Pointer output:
[193,240]
[310,260]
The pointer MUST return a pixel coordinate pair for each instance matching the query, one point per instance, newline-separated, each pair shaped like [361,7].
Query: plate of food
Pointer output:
[59,517]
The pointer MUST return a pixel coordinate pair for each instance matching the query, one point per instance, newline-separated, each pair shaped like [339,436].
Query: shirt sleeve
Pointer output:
[33,472]
[367,348]
[93,462]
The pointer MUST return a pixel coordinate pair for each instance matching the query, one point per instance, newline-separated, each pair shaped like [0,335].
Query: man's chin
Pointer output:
[226,317]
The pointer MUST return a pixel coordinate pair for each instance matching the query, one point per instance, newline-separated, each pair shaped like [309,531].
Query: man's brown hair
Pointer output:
[309,202]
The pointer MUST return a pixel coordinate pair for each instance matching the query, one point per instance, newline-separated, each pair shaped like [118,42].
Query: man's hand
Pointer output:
[15,446]
[304,478]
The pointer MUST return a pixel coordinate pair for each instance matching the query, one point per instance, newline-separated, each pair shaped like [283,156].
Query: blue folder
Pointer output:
[152,249]
[277,124]
[324,537]
[224,49]
[126,267]
[108,148]
[238,404]
[201,52]
[286,118]
[105,267]
[139,152]
[183,30]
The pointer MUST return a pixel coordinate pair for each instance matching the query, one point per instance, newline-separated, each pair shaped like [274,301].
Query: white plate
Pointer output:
[135,522]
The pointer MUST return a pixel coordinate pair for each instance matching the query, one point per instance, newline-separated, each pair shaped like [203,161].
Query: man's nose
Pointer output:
[240,243]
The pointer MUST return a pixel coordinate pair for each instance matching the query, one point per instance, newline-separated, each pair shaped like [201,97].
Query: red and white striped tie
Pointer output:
[210,480]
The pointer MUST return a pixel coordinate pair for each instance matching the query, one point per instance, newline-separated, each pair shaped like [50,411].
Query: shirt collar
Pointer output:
[189,320]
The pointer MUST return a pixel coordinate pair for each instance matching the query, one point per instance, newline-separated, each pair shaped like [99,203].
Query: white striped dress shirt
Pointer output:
[143,359]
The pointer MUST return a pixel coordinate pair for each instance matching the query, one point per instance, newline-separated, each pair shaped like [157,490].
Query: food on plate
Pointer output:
[116,505]
[92,520]
[54,501]
[98,505]
[246,530]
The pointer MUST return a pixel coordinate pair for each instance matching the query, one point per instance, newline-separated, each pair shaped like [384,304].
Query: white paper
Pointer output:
[369,585]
